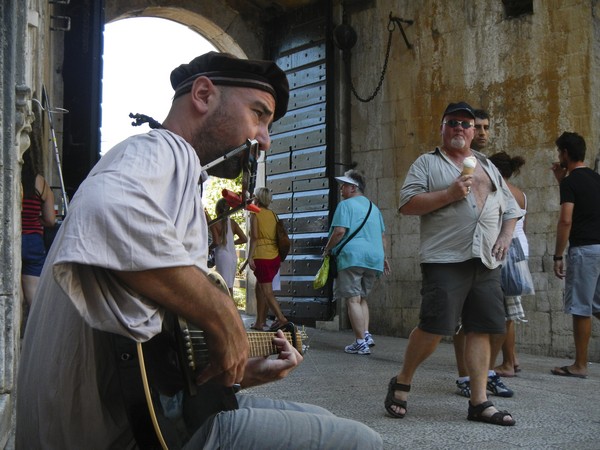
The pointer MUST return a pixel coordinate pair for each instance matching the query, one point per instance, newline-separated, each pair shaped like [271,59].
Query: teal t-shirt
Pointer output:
[366,248]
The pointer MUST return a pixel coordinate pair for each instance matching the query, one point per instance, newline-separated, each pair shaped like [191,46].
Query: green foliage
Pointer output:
[239,297]
[212,193]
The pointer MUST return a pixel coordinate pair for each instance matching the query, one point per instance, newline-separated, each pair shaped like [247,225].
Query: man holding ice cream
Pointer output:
[467,219]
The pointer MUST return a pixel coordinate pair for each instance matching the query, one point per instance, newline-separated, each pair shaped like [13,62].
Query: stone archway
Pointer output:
[221,25]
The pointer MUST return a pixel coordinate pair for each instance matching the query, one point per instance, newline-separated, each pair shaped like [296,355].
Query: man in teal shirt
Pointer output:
[358,241]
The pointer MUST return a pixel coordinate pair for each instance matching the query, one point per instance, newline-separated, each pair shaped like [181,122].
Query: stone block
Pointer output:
[531,337]
[329,325]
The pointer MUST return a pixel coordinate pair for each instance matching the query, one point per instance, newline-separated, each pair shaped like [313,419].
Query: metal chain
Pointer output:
[391,28]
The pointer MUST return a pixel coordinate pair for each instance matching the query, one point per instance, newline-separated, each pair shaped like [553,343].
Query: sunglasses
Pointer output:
[454,123]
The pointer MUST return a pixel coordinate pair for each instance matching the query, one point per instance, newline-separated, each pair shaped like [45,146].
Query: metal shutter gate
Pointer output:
[297,163]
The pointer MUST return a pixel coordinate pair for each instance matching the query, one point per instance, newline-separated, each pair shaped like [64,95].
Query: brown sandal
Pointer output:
[476,414]
[390,400]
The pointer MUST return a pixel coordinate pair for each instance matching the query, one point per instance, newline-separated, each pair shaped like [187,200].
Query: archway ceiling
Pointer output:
[284,4]
[268,7]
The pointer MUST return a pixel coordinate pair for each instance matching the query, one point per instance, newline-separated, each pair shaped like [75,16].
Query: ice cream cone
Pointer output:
[469,164]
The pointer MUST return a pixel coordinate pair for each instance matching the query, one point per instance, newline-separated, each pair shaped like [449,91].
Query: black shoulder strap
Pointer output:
[355,231]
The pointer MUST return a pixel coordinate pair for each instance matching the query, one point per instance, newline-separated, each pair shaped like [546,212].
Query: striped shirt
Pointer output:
[30,216]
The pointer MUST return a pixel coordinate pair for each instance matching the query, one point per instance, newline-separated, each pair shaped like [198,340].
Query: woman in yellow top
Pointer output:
[263,259]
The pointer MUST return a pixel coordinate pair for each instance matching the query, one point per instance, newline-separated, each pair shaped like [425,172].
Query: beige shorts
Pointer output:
[354,282]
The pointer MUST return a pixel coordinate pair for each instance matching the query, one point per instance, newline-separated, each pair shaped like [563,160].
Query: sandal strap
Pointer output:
[478,409]
[390,400]
[395,386]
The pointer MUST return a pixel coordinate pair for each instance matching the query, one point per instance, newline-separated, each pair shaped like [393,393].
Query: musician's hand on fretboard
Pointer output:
[261,370]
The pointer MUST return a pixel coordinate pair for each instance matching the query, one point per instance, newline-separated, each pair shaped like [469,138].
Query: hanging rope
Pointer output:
[391,28]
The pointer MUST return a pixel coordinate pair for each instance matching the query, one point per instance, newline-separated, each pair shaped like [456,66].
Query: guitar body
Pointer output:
[164,404]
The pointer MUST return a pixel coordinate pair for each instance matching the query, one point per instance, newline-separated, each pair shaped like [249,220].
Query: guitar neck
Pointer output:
[261,343]
[196,354]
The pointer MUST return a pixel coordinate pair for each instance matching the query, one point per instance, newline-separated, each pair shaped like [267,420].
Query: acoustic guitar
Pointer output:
[165,406]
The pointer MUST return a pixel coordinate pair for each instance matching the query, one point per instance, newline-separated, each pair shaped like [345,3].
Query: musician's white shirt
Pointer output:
[139,208]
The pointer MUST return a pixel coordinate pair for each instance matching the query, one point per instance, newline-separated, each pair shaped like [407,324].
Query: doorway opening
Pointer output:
[139,55]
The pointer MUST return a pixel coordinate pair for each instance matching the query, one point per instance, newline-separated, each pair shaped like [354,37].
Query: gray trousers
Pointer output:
[278,424]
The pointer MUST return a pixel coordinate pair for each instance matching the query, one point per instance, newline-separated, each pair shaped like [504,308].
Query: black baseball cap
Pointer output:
[460,106]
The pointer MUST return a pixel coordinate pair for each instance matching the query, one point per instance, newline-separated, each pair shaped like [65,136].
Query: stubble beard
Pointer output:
[211,141]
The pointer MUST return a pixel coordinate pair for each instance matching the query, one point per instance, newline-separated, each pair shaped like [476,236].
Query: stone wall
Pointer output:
[25,64]
[14,117]
[534,82]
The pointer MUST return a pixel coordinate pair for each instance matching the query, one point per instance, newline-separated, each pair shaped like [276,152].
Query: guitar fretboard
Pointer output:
[261,344]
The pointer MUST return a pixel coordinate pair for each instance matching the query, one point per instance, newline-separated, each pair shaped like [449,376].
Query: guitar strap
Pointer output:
[133,393]
[339,249]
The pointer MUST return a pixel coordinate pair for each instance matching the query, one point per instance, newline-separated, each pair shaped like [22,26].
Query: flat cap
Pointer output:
[228,70]
[460,106]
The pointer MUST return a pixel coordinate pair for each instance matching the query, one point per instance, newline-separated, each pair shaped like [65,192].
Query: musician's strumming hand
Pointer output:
[227,364]
[189,293]
[263,370]
[228,352]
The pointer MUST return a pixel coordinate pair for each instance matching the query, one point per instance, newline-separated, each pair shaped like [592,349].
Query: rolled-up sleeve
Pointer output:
[416,181]
[139,209]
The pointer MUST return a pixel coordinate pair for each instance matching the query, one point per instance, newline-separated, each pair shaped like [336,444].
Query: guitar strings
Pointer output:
[260,345]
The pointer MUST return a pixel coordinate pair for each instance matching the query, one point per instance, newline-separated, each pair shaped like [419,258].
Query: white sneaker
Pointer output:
[463,388]
[356,348]
[497,387]
[369,340]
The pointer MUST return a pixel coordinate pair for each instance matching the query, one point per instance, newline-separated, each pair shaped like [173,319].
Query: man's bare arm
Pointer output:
[335,238]
[500,248]
[563,229]
[427,202]
[187,292]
